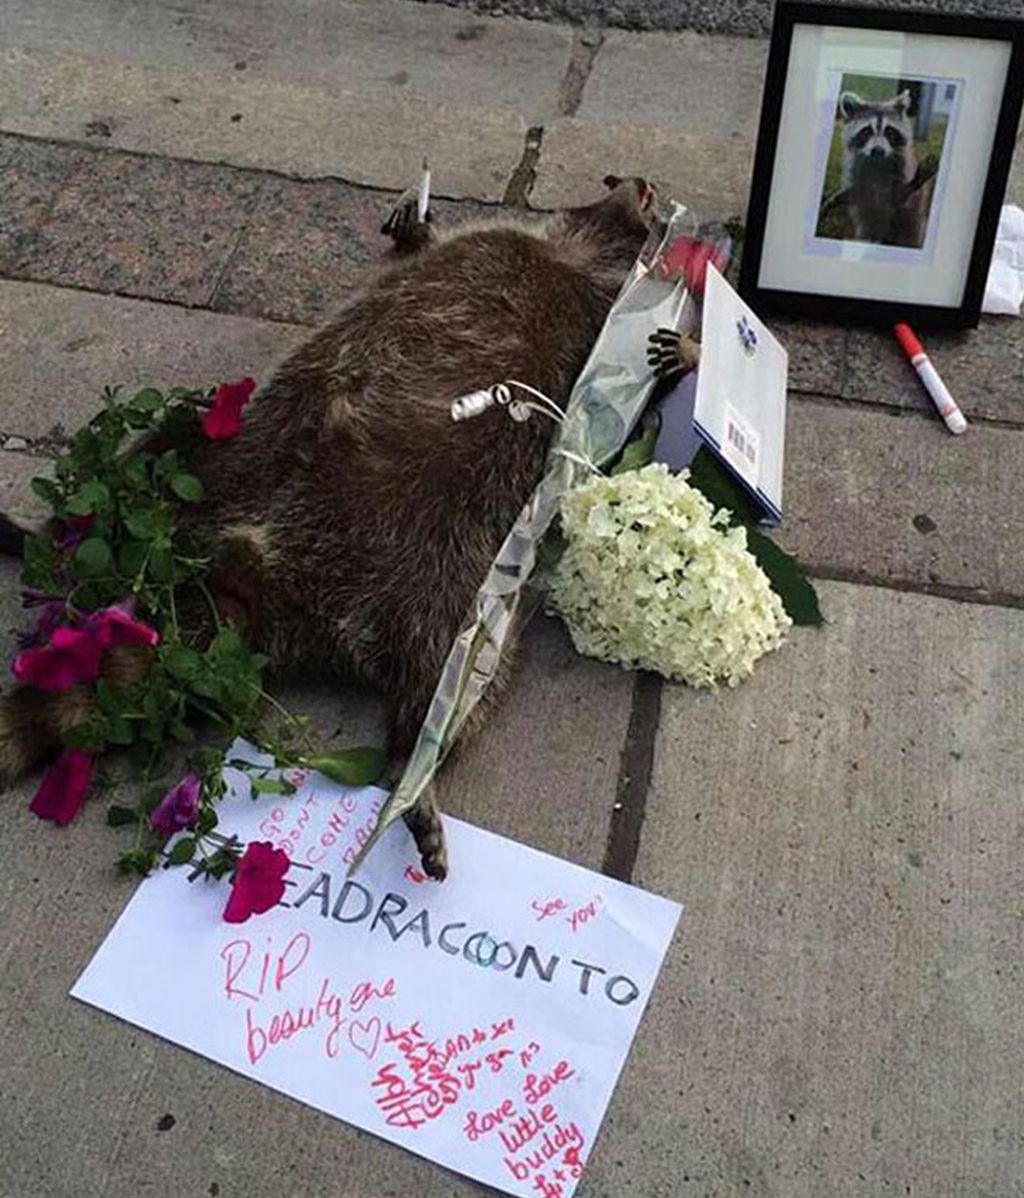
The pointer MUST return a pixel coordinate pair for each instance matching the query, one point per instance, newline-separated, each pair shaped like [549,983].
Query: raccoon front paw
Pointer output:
[425,825]
[671,352]
[402,224]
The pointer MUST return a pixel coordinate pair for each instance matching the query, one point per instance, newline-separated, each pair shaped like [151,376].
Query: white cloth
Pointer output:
[1004,291]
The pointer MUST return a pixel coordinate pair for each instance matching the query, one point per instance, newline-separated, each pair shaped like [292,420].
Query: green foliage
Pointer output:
[120,498]
[640,450]
[788,580]
[350,767]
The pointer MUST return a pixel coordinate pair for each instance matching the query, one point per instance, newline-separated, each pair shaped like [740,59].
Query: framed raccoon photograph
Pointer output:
[882,160]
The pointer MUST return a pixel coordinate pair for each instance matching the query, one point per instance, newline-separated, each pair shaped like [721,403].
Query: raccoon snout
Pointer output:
[879,152]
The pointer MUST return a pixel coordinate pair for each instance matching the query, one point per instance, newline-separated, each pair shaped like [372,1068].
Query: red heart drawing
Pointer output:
[365,1036]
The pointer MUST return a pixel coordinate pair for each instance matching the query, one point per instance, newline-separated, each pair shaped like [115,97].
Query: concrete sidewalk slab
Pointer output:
[303,88]
[983,369]
[898,499]
[86,1096]
[680,109]
[840,1012]
[60,348]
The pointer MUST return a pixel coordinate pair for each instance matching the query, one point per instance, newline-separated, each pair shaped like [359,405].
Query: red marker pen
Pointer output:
[930,379]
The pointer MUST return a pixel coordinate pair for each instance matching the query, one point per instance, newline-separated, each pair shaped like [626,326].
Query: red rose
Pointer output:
[224,420]
[62,790]
[258,882]
[689,257]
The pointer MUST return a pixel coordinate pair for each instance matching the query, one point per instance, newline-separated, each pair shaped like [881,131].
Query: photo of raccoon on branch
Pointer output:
[886,149]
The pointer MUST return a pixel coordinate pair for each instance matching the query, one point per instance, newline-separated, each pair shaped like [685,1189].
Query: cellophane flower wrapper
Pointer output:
[606,401]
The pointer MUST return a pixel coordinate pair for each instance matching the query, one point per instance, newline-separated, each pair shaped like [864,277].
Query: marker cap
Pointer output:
[909,343]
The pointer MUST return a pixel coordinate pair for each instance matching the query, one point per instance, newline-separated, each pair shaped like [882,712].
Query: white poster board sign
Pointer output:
[481,1023]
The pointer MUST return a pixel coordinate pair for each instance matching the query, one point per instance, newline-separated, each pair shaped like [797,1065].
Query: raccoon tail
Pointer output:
[12,537]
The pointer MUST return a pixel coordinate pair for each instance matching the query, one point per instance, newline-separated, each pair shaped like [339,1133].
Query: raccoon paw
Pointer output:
[424,823]
[671,352]
[403,226]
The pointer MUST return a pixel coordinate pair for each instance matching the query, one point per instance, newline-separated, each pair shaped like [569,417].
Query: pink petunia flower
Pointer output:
[62,790]
[258,881]
[71,657]
[115,626]
[224,420]
[179,807]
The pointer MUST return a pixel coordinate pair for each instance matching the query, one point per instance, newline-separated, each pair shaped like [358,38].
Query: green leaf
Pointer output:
[40,565]
[639,452]
[718,486]
[187,487]
[161,564]
[145,523]
[181,732]
[182,662]
[183,851]
[350,767]
[272,786]
[147,400]
[46,489]
[119,731]
[137,861]
[136,469]
[90,497]
[131,557]
[207,821]
[119,816]
[789,582]
[93,557]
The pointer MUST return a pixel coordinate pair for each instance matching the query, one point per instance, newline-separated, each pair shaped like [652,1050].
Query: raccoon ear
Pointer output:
[902,103]
[850,106]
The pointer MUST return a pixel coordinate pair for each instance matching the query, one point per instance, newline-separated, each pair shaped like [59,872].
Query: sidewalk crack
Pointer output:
[586,44]
[635,769]
[525,175]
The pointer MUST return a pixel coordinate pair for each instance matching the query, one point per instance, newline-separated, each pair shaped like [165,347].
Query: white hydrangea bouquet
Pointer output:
[653,577]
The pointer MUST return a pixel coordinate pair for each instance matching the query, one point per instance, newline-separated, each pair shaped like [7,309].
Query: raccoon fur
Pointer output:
[351,521]
[879,168]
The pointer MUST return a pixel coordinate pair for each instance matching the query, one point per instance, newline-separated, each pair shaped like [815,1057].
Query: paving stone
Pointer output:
[308,244]
[897,498]
[59,349]
[32,178]
[340,89]
[839,1013]
[983,369]
[817,353]
[139,226]
[685,81]
[17,501]
[709,175]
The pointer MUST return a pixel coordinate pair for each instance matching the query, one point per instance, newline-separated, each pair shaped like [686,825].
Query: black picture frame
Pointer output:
[880,311]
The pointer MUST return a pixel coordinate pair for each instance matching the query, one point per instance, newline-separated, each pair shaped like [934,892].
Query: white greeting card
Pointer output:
[740,405]
[481,1023]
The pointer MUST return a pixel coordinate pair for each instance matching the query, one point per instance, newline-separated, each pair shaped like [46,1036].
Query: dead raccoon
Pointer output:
[351,522]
